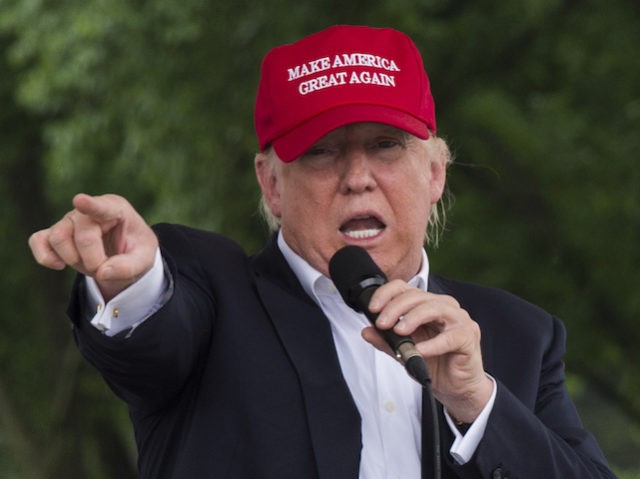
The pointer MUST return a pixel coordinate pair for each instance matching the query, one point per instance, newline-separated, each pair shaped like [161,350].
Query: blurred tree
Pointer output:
[548,157]
[153,100]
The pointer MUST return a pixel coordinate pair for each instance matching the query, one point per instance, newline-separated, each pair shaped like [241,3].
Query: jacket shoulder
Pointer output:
[169,233]
[494,307]
[184,243]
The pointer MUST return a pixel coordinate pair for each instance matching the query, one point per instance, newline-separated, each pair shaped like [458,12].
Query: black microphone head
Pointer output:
[352,269]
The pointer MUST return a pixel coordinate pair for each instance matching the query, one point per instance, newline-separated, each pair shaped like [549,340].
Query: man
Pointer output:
[254,367]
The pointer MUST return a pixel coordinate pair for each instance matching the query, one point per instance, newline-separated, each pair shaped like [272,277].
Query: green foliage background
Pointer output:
[539,99]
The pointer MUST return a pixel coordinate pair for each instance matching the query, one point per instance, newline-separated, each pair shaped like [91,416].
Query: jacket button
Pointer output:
[497,473]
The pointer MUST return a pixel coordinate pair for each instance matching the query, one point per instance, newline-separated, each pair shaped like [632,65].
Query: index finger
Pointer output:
[398,288]
[386,293]
[104,209]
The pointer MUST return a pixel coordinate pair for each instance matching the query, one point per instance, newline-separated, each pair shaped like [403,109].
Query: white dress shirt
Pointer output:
[388,399]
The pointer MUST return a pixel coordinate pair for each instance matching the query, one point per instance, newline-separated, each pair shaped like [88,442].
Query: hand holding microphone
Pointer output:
[434,327]
[357,277]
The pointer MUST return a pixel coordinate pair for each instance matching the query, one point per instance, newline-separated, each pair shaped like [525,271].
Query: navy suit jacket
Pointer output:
[237,376]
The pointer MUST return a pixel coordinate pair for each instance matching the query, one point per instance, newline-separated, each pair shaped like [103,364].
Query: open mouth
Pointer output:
[362,227]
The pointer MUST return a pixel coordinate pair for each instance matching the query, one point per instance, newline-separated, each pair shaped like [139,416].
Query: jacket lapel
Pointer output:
[333,419]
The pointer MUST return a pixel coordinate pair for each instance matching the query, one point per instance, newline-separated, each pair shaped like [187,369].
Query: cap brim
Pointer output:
[295,142]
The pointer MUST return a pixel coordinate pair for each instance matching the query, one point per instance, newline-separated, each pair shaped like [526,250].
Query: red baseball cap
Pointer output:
[344,74]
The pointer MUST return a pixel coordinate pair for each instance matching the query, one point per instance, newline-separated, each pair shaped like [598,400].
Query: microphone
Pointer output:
[357,277]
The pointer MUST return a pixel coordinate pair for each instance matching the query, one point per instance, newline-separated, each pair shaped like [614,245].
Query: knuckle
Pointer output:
[58,236]
[451,342]
[85,238]
[41,257]
[34,237]
[397,285]
[451,300]
[36,240]
[472,331]
[475,328]
[79,266]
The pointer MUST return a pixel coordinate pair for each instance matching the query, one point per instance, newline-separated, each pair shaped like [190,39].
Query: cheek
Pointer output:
[412,200]
[302,205]
[416,215]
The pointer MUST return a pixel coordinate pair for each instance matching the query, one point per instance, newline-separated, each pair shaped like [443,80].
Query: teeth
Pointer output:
[362,234]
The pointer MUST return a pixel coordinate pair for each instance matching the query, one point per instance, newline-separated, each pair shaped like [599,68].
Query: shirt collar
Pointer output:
[313,281]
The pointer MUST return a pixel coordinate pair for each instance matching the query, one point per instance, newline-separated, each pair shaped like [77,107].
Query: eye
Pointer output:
[387,148]
[319,156]
[387,143]
[315,151]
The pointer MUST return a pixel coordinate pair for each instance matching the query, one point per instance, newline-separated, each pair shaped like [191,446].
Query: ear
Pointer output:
[268,180]
[438,170]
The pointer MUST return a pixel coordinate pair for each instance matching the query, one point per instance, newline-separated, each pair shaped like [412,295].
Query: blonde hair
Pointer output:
[435,147]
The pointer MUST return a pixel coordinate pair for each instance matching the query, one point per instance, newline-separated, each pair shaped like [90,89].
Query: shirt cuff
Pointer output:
[464,446]
[133,305]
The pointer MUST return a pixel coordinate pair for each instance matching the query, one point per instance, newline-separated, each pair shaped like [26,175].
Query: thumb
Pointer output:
[122,270]
[373,336]
[128,267]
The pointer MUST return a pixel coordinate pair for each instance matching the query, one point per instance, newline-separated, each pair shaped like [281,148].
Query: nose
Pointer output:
[357,174]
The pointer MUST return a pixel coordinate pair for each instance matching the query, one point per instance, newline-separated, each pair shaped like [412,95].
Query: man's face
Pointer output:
[364,184]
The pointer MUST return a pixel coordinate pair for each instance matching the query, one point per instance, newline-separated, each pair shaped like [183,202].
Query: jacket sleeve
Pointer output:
[546,442]
[149,366]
